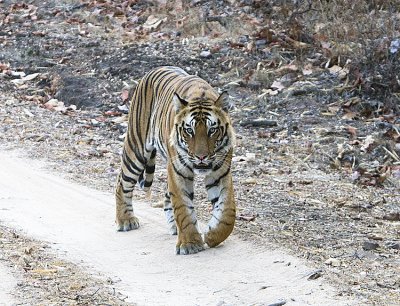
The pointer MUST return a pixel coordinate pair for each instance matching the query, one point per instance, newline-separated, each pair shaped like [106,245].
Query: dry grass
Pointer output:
[356,33]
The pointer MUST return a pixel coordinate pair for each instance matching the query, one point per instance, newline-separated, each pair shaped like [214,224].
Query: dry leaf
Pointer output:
[333,109]
[352,101]
[306,71]
[339,71]
[125,94]
[153,23]
[277,85]
[349,115]
[368,142]
[246,217]
[352,131]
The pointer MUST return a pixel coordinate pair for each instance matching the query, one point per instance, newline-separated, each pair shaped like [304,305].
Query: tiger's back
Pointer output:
[151,120]
[182,117]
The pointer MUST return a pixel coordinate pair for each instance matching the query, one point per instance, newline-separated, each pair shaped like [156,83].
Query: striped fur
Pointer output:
[184,119]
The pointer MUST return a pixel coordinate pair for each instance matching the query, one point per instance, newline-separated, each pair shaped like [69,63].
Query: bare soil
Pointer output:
[319,177]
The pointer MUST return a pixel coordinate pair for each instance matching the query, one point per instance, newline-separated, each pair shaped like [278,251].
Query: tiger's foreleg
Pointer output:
[126,181]
[181,196]
[220,193]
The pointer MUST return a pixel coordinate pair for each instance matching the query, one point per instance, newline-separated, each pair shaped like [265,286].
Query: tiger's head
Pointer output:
[203,134]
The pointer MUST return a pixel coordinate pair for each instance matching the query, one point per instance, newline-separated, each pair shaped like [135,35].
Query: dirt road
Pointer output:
[6,286]
[79,223]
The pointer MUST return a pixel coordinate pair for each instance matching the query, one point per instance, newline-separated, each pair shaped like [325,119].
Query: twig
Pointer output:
[392,154]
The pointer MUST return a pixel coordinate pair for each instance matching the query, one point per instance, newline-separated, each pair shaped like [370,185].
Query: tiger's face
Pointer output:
[202,135]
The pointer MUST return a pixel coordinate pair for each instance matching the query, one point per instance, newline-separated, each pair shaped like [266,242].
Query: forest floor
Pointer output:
[316,167]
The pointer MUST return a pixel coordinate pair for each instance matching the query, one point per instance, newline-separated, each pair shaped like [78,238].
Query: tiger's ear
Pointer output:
[179,103]
[223,101]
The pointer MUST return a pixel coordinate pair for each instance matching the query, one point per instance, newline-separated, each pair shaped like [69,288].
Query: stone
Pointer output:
[370,245]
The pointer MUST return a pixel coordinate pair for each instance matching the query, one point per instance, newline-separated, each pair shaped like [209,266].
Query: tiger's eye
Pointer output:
[212,130]
[189,131]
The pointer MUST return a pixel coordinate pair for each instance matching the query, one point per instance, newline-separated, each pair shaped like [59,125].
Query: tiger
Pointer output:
[184,119]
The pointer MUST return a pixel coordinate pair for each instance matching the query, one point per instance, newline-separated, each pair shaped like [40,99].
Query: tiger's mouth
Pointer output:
[202,166]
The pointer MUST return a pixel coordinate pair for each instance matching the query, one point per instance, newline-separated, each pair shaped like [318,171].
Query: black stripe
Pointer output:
[129,168]
[138,108]
[215,200]
[219,164]
[190,195]
[153,154]
[216,218]
[160,77]
[127,210]
[167,209]
[150,169]
[138,157]
[222,145]
[128,179]
[180,174]
[148,184]
[126,191]
[131,164]
[216,182]
[182,160]
[141,178]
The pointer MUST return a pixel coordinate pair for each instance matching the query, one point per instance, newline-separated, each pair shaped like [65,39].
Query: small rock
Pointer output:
[52,103]
[279,303]
[123,108]
[250,157]
[392,216]
[375,237]
[250,181]
[393,245]
[205,54]
[334,262]
[261,43]
[260,122]
[369,246]
[315,274]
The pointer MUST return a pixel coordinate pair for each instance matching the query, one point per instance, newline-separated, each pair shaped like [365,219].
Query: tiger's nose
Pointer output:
[201,157]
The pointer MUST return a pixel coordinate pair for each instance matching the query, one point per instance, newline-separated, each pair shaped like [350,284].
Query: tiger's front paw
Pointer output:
[124,225]
[190,246]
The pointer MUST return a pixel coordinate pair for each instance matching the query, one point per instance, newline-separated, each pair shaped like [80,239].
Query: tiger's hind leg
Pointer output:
[169,214]
[130,172]
[146,177]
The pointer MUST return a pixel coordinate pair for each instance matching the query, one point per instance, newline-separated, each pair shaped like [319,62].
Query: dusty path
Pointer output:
[7,283]
[79,221]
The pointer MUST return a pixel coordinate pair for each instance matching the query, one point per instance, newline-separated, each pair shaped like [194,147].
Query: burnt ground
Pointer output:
[318,175]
